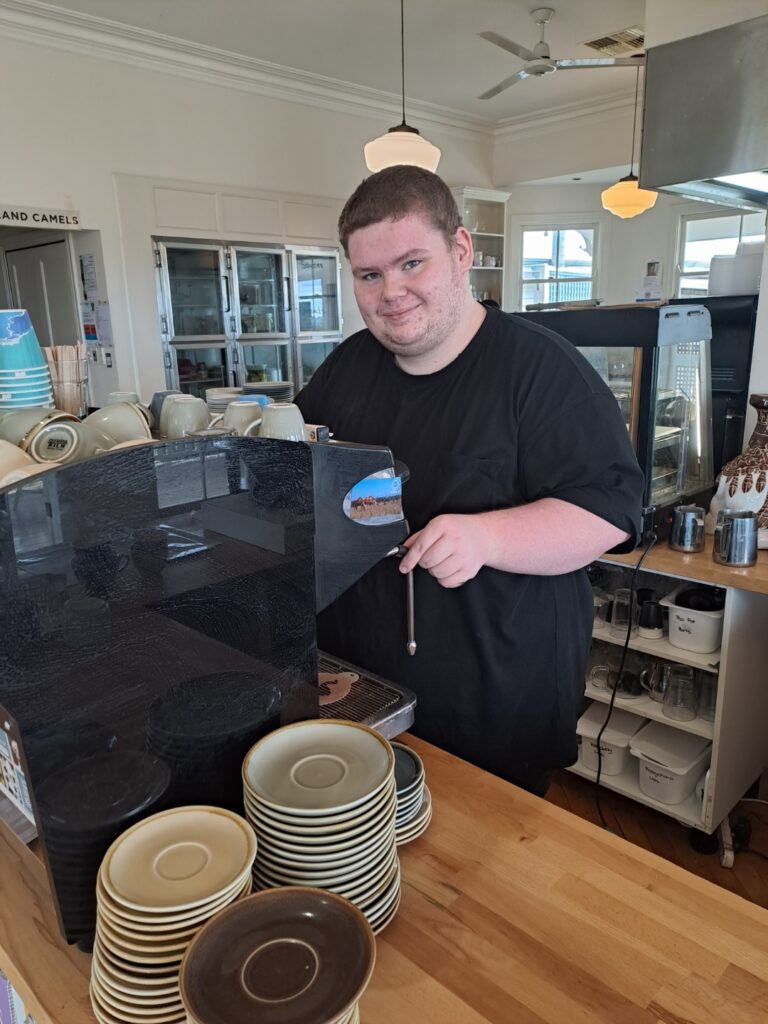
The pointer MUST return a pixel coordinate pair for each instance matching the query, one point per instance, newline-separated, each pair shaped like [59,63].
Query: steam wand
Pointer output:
[410,612]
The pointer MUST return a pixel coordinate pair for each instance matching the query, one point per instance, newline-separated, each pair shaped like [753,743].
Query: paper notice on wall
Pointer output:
[88,276]
[88,319]
[103,323]
[650,286]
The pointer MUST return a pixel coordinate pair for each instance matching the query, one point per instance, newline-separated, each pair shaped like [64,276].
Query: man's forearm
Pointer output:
[546,538]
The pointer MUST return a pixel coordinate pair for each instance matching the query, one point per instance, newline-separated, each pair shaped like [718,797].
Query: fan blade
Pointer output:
[507,44]
[512,80]
[600,62]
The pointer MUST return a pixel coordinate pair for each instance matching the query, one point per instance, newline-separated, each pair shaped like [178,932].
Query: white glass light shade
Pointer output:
[626,199]
[401,147]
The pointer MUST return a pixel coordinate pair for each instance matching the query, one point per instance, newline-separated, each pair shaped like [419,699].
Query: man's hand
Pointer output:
[452,548]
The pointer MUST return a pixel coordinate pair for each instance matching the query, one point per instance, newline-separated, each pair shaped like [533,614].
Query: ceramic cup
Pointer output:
[156,404]
[182,413]
[242,417]
[18,476]
[122,421]
[12,458]
[282,420]
[122,396]
[65,441]
[18,426]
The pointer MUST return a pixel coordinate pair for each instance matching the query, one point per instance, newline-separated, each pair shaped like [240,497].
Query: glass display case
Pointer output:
[236,314]
[656,361]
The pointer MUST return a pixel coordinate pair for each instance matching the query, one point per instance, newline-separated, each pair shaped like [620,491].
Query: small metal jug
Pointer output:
[687,528]
[735,538]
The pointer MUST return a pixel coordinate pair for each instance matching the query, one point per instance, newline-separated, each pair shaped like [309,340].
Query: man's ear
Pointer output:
[462,243]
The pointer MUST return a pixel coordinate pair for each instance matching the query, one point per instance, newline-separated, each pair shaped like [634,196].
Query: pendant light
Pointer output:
[401,144]
[626,198]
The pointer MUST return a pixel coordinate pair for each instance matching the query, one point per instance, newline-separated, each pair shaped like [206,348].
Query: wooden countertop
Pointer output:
[513,912]
[700,567]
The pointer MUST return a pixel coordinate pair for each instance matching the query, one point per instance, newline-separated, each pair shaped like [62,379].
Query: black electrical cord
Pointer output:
[651,540]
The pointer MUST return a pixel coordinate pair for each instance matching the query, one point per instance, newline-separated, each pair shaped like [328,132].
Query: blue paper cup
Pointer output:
[19,347]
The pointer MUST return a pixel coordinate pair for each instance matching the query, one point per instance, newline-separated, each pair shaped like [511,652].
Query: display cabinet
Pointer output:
[232,314]
[484,214]
[656,361]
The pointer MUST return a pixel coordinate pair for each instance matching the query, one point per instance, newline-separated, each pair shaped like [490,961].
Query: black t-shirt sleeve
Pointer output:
[583,455]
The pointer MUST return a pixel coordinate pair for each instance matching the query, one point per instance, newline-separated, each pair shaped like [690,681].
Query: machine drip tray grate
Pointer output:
[372,701]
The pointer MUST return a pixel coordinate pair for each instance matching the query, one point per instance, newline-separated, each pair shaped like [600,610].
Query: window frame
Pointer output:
[564,223]
[684,220]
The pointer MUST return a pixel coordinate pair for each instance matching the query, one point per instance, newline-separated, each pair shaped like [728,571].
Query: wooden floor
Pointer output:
[665,837]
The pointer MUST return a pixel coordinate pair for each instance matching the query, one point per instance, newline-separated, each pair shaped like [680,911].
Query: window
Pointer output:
[558,265]
[701,238]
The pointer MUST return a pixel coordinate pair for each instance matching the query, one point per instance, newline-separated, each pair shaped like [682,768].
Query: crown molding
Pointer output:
[34,21]
[37,22]
[581,115]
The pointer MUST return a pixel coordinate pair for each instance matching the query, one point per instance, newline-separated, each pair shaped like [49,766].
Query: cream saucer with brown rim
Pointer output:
[178,859]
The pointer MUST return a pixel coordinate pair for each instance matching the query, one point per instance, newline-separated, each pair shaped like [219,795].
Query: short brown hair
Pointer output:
[395,192]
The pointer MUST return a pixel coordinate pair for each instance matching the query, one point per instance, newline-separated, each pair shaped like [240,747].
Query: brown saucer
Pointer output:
[283,956]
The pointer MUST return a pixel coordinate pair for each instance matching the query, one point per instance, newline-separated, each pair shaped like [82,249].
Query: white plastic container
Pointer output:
[614,743]
[671,761]
[691,630]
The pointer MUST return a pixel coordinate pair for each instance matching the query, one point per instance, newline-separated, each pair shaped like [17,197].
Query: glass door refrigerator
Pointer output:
[235,314]
[196,316]
[264,349]
[316,301]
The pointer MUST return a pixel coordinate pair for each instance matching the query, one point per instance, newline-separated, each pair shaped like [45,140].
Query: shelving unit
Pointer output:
[484,214]
[738,733]
[662,649]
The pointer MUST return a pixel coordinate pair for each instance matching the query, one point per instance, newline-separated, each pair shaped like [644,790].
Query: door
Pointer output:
[316,289]
[263,316]
[42,283]
[197,319]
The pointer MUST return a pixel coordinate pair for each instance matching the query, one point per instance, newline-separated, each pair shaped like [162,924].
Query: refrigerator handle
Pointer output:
[286,295]
[225,279]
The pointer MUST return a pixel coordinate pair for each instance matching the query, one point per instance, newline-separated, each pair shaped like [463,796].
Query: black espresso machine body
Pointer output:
[158,616]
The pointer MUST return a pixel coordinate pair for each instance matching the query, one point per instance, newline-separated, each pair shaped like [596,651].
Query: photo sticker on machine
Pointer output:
[375,500]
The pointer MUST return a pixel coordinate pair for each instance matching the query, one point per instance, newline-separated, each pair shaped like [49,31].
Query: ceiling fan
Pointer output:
[538,61]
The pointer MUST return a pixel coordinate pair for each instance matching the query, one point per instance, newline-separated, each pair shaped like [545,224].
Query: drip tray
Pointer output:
[373,701]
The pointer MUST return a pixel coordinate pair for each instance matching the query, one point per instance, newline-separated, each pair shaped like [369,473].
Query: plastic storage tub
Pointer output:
[671,761]
[693,630]
[614,743]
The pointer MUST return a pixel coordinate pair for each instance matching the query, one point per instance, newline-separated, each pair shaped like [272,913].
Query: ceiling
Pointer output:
[358,42]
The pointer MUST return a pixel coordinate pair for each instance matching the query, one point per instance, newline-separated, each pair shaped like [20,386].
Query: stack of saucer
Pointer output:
[159,883]
[288,956]
[277,390]
[414,801]
[217,399]
[321,798]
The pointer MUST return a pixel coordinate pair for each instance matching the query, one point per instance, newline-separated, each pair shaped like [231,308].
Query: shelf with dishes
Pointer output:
[661,649]
[647,708]
[687,812]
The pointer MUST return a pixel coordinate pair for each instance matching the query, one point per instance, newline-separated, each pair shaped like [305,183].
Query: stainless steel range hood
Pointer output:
[705,116]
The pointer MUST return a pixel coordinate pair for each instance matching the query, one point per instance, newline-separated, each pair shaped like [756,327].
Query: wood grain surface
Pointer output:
[514,911]
[700,566]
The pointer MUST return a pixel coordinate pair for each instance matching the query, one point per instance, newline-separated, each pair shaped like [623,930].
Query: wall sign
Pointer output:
[34,217]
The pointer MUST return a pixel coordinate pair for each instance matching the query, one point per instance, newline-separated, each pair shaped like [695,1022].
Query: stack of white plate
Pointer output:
[159,883]
[217,399]
[321,798]
[277,390]
[414,801]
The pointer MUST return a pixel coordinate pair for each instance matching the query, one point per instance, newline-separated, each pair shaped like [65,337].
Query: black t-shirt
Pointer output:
[519,415]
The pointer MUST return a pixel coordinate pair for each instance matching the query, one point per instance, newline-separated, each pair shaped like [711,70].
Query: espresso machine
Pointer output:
[159,616]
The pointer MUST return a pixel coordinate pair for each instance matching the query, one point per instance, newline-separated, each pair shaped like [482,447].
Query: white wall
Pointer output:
[83,120]
[624,246]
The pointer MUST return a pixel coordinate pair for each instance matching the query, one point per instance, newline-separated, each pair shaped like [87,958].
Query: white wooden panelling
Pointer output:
[310,220]
[249,215]
[182,209]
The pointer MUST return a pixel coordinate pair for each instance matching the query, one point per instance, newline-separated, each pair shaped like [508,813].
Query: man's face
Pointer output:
[410,284]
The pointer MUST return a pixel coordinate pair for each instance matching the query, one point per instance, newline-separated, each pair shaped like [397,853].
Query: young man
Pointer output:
[522,473]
